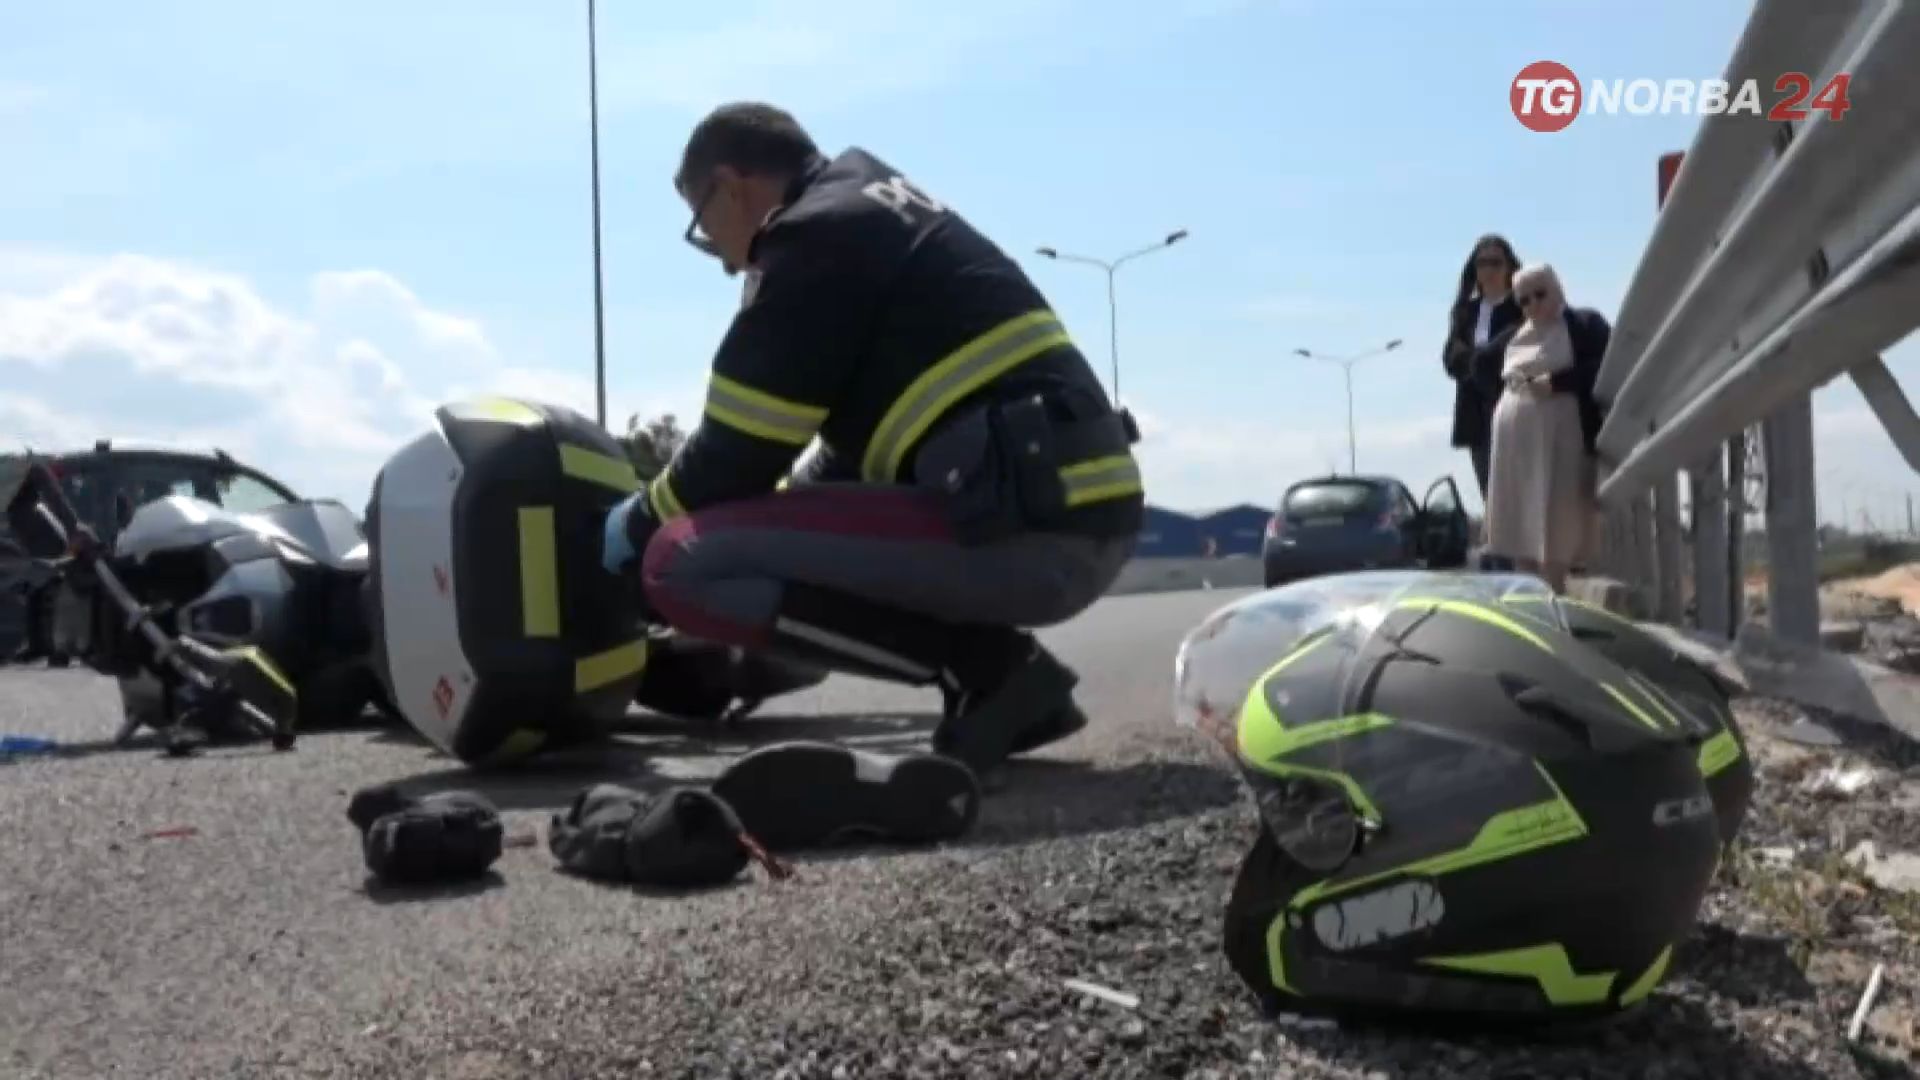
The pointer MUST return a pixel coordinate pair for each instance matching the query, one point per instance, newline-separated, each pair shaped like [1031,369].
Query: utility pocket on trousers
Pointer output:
[1025,433]
[963,463]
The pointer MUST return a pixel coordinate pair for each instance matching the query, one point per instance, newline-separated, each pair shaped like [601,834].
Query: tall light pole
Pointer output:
[599,302]
[1346,363]
[1113,308]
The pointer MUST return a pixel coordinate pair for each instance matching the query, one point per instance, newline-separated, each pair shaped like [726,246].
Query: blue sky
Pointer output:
[292,228]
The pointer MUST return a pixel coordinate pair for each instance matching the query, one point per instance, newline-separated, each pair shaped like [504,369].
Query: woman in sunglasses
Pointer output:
[1482,310]
[1545,419]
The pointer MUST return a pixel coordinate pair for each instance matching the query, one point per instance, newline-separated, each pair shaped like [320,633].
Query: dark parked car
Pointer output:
[105,484]
[1333,524]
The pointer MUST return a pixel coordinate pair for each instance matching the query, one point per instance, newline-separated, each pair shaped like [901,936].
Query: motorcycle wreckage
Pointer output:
[471,604]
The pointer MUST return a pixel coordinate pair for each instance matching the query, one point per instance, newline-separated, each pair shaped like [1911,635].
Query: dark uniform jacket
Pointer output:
[1472,408]
[879,313]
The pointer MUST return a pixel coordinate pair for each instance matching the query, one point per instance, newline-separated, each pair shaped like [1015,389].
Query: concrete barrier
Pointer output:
[1612,594]
[1760,662]
[1172,575]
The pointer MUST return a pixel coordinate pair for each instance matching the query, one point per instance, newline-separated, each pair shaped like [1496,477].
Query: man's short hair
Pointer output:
[752,137]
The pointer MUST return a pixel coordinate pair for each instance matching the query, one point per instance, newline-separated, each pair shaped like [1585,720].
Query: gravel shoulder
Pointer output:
[252,947]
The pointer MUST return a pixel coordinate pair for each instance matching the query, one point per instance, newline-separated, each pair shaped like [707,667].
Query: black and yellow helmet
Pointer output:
[1681,686]
[1464,810]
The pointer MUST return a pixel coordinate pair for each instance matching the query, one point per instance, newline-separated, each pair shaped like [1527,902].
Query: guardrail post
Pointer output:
[1669,604]
[1736,531]
[1641,572]
[1607,557]
[1619,533]
[1707,488]
[1793,556]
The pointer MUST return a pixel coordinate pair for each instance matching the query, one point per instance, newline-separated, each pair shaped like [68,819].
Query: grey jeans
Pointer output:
[719,573]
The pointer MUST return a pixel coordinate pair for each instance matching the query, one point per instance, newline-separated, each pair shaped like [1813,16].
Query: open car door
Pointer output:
[1446,535]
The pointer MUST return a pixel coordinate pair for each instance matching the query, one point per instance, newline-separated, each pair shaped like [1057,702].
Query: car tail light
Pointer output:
[1386,520]
[1275,527]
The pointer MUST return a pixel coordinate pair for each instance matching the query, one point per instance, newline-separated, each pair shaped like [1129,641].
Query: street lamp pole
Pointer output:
[1346,363]
[1111,266]
[599,301]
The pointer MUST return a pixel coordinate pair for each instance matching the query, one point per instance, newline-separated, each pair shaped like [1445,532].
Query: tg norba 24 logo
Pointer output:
[1547,96]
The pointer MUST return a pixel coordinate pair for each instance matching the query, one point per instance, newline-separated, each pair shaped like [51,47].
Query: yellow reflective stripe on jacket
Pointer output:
[1111,477]
[666,505]
[956,375]
[760,414]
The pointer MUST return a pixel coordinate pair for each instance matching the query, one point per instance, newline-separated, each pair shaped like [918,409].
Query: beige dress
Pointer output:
[1538,485]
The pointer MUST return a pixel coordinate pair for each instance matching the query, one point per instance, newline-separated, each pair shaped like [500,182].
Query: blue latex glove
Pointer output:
[616,547]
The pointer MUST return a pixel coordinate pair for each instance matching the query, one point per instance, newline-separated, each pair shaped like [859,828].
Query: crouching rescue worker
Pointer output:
[970,480]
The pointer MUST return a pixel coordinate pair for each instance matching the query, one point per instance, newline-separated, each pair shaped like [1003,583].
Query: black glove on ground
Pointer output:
[682,837]
[444,837]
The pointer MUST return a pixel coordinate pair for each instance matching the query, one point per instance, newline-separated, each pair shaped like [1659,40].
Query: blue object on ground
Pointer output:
[23,745]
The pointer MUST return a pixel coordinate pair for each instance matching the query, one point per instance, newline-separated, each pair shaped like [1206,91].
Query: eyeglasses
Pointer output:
[1490,262]
[701,241]
[1526,299]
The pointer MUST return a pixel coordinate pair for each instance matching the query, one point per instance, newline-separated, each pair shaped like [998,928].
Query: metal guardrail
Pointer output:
[1786,254]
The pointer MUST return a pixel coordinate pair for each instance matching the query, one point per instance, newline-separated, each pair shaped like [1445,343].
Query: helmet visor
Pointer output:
[1277,678]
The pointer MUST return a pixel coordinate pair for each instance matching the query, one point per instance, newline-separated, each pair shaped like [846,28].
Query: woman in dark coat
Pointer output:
[1482,310]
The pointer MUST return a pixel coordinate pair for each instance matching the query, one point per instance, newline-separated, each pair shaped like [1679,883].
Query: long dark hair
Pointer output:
[1469,286]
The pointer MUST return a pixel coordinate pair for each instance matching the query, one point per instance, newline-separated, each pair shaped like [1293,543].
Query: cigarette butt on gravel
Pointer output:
[1866,1003]
[1124,1000]
[175,832]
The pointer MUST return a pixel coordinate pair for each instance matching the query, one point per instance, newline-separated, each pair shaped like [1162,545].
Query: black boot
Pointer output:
[702,680]
[824,630]
[686,678]
[1006,695]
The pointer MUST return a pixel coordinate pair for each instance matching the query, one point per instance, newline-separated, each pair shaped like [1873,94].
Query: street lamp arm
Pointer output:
[1346,364]
[1171,239]
[1351,359]
[1062,256]
[1113,308]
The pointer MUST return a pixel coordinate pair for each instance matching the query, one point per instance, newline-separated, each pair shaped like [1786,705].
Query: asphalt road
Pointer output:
[252,946]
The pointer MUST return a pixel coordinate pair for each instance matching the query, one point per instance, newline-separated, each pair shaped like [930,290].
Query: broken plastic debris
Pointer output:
[1866,1003]
[1896,871]
[176,832]
[1124,1000]
[1838,780]
[1807,733]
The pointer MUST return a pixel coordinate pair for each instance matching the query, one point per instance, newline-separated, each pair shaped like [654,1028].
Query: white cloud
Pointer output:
[144,348]
[33,270]
[32,422]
